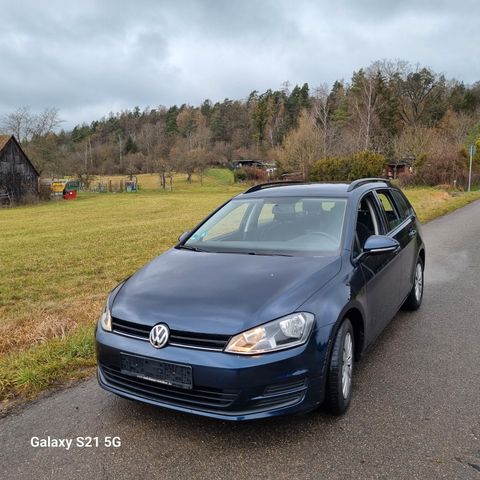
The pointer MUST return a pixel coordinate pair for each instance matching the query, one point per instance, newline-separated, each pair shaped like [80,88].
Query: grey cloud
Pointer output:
[92,57]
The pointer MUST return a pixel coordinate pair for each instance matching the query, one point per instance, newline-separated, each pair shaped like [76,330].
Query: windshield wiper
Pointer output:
[271,254]
[255,253]
[189,247]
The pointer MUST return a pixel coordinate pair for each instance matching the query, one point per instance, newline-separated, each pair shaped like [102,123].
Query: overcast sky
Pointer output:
[89,57]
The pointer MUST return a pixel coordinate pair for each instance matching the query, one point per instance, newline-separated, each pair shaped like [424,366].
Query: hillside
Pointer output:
[393,108]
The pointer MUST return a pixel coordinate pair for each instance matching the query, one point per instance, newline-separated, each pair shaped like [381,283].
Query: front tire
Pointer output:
[339,381]
[415,297]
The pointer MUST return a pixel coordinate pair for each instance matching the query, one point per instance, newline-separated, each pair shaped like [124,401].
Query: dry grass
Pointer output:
[432,202]
[59,260]
[48,322]
[213,178]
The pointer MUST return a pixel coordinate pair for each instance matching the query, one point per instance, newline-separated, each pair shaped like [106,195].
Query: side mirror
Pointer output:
[183,236]
[378,244]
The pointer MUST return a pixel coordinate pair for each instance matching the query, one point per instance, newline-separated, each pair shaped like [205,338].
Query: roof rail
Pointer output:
[262,186]
[362,181]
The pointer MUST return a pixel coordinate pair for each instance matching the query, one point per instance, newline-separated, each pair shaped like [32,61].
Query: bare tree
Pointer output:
[366,101]
[321,107]
[190,152]
[17,123]
[416,88]
[456,127]
[26,125]
[302,147]
[45,122]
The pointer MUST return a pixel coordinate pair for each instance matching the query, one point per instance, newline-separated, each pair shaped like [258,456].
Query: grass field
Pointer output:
[59,260]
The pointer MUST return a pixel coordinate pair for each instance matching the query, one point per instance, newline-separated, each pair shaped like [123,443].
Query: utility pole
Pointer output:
[472,153]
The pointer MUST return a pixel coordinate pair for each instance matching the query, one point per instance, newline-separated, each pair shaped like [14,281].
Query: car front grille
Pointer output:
[199,398]
[131,329]
[203,341]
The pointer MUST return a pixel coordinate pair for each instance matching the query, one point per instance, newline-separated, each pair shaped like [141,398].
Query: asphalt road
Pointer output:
[415,411]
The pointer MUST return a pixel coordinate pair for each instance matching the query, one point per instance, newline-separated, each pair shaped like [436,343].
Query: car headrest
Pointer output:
[363,214]
[312,206]
[283,211]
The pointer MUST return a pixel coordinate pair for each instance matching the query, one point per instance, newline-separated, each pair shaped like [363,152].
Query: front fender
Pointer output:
[346,291]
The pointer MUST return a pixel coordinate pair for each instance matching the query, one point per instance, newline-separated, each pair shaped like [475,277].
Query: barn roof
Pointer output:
[4,139]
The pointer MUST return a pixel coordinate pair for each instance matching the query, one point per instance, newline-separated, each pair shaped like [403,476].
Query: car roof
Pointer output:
[304,189]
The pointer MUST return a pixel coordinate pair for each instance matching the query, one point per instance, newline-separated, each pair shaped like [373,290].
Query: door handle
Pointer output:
[412,233]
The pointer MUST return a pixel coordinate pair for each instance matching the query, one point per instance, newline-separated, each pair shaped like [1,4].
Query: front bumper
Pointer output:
[225,386]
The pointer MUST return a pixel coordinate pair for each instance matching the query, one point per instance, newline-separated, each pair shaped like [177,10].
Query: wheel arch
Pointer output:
[421,254]
[358,324]
[357,319]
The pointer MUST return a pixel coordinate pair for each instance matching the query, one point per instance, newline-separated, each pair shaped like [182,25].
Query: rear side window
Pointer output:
[393,219]
[402,206]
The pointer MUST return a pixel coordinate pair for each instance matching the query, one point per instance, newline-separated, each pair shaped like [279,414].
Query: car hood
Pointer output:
[220,293]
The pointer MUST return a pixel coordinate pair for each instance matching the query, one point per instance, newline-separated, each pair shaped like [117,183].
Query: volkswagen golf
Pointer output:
[264,307]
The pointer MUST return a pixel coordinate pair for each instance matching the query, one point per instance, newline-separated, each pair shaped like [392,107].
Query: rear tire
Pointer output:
[339,380]
[415,297]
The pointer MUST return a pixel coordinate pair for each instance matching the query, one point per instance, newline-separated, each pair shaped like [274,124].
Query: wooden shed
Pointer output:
[398,166]
[18,177]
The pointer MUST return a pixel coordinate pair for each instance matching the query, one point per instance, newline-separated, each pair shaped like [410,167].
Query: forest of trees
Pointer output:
[394,109]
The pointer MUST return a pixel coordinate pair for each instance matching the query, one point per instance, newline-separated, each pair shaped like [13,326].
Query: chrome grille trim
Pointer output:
[195,341]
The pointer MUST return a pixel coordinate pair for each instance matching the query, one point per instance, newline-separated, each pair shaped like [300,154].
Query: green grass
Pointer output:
[41,367]
[58,261]
[55,253]
[222,175]
[431,202]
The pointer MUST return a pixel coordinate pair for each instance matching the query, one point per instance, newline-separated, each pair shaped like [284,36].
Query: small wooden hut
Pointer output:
[18,177]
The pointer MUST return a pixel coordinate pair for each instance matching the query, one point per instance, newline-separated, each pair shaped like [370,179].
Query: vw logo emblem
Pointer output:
[159,335]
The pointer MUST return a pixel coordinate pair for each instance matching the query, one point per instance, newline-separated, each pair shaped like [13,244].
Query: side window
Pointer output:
[367,223]
[402,206]
[391,214]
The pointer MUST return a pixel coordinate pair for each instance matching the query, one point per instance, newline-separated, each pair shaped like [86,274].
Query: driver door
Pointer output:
[380,271]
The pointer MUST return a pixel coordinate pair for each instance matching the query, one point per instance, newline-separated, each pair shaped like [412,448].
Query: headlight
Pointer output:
[284,332]
[106,319]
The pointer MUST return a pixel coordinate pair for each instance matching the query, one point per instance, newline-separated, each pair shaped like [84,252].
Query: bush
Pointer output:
[254,173]
[330,169]
[442,168]
[250,174]
[239,175]
[366,164]
[406,179]
[359,165]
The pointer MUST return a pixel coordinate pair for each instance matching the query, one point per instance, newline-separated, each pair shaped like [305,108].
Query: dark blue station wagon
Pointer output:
[264,307]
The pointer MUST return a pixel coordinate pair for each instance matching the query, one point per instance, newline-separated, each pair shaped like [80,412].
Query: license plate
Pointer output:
[157,371]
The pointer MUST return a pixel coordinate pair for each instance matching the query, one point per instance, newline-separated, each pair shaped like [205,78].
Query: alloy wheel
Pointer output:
[347,365]
[418,282]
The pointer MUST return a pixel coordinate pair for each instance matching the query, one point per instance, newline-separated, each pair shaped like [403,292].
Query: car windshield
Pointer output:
[273,226]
